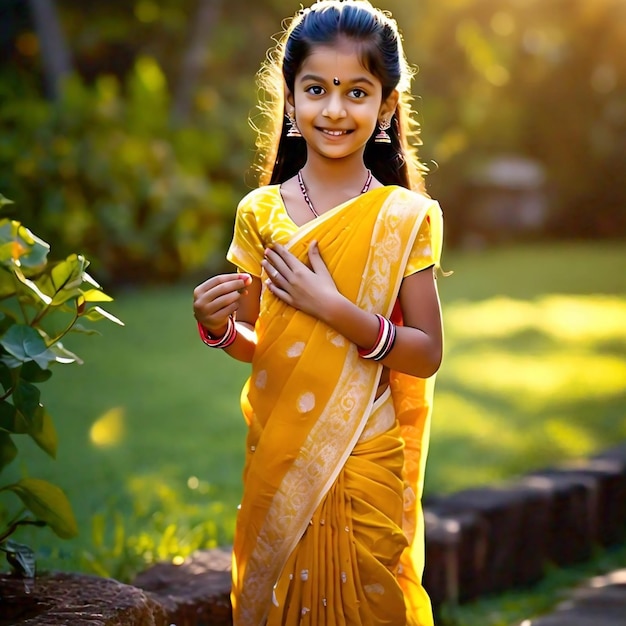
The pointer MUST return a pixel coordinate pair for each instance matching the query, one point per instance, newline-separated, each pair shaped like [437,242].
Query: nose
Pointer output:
[334,109]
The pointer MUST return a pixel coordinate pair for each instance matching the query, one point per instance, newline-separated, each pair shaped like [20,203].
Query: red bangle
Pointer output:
[384,342]
[225,340]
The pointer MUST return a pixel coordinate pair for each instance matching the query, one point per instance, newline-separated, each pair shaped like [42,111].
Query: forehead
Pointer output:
[342,60]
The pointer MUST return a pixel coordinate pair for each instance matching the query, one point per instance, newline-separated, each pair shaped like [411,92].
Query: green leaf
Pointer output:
[4,201]
[62,283]
[6,378]
[95,295]
[8,449]
[64,295]
[21,558]
[48,503]
[19,247]
[43,432]
[26,344]
[90,280]
[61,355]
[68,274]
[26,400]
[11,420]
[33,373]
[6,321]
[97,313]
[79,328]
[7,283]
[33,289]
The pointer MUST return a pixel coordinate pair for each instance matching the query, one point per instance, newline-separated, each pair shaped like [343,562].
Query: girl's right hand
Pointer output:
[217,298]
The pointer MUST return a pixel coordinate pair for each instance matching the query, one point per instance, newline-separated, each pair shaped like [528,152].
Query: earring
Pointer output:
[293,130]
[383,136]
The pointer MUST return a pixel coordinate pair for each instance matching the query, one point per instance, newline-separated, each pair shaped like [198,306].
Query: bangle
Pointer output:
[225,340]
[384,342]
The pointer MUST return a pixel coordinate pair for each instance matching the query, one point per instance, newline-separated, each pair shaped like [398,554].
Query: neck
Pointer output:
[342,173]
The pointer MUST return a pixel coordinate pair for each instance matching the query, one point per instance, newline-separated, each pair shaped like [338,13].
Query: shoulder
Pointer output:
[259,197]
[415,203]
[413,197]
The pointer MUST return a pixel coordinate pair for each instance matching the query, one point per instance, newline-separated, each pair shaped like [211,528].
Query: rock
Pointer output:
[511,530]
[573,530]
[195,593]
[460,537]
[441,573]
[66,599]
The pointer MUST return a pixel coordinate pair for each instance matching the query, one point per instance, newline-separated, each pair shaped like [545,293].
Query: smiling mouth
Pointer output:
[334,133]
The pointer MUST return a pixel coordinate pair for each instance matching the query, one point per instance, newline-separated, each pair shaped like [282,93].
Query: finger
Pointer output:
[281,257]
[270,270]
[275,267]
[316,261]
[279,292]
[216,311]
[221,285]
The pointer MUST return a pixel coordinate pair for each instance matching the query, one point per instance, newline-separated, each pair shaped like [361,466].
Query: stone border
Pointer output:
[486,540]
[478,541]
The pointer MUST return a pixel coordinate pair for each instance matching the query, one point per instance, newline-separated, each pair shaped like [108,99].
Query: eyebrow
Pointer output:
[319,79]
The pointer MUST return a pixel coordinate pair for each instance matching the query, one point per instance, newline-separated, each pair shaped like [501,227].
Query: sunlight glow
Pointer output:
[509,362]
[502,23]
[576,324]
[109,428]
[582,320]
[537,378]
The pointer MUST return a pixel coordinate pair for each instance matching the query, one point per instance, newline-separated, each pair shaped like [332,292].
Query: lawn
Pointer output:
[151,438]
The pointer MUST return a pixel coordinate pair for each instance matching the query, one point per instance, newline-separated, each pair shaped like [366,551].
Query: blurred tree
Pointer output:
[54,51]
[193,61]
[541,80]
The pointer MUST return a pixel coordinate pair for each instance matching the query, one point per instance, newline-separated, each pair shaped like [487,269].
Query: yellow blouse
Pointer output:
[263,220]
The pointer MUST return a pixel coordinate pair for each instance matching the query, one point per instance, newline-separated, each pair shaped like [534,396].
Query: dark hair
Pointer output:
[379,43]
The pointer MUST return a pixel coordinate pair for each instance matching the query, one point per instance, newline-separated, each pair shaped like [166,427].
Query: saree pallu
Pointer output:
[329,531]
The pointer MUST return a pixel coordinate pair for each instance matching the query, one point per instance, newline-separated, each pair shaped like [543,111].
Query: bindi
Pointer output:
[336,81]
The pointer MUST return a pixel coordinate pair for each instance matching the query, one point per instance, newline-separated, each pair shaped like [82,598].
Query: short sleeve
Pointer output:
[247,246]
[426,250]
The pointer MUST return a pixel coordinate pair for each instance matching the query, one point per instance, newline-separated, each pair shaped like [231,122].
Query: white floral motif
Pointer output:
[306,402]
[260,380]
[374,588]
[335,338]
[296,349]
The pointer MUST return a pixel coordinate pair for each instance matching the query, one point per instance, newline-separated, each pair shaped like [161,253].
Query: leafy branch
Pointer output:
[33,291]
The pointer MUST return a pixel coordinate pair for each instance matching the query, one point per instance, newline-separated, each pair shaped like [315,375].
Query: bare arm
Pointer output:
[230,294]
[419,344]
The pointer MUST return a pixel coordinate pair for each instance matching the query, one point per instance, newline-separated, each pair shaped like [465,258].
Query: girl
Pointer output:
[335,306]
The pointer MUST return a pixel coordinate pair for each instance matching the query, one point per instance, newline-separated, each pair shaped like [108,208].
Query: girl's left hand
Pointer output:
[308,289]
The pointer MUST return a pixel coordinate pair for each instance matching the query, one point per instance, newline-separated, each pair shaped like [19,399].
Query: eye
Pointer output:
[357,93]
[315,90]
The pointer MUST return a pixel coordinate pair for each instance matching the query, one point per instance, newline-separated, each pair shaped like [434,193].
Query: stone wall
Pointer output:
[478,541]
[490,539]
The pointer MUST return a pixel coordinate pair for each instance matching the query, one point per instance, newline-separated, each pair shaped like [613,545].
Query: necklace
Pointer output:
[305,195]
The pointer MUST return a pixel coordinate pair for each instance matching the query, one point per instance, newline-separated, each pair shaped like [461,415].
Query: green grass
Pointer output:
[151,437]
[534,369]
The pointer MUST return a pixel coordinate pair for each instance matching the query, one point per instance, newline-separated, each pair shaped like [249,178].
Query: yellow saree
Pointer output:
[329,531]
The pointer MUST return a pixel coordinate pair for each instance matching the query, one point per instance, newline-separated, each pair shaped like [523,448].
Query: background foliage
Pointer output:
[125,138]
[140,157]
